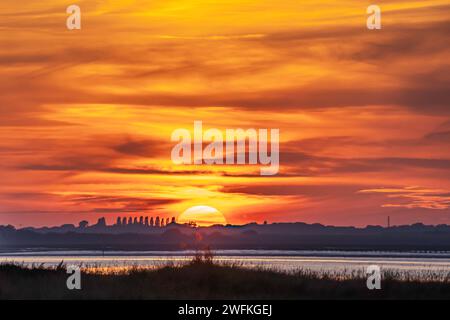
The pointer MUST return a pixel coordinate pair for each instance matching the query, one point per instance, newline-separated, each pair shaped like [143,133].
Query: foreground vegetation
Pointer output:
[203,279]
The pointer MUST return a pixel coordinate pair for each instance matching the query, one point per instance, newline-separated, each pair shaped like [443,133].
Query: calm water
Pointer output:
[413,264]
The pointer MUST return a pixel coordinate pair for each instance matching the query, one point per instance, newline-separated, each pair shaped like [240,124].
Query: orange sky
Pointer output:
[86,116]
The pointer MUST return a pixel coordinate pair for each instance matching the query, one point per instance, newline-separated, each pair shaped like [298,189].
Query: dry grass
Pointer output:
[201,278]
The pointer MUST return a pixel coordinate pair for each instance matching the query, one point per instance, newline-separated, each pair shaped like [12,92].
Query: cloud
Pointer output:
[149,148]
[442,136]
[91,112]
[414,197]
[86,203]
[120,204]
[280,189]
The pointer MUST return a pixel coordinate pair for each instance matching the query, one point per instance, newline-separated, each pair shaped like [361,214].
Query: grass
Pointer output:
[201,278]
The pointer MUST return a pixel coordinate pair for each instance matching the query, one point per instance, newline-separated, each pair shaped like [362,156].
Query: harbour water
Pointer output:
[421,265]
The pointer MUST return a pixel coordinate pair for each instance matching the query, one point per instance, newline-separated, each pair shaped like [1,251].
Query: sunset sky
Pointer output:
[87,115]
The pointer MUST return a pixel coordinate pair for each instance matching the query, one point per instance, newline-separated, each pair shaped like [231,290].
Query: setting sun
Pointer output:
[203,216]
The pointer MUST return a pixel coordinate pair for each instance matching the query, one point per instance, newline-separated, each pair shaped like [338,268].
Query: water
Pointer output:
[421,265]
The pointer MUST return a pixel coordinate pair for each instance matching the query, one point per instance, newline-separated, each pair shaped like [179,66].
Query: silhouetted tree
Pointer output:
[146,221]
[119,221]
[135,220]
[83,224]
[167,221]
[152,223]
[124,221]
[157,223]
[101,222]
[141,220]
[173,220]
[130,221]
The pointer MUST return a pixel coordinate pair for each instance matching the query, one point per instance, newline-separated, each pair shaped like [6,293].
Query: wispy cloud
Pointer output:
[414,197]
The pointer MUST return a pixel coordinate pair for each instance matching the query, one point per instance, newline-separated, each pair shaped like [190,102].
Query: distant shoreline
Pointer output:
[284,237]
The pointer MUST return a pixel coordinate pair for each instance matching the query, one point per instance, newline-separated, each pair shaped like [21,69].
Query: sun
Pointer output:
[203,216]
